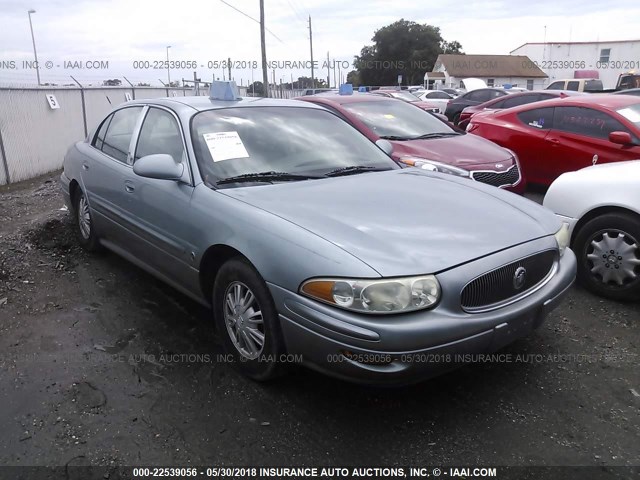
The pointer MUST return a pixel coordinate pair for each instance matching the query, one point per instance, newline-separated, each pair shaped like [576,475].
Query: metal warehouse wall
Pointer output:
[34,137]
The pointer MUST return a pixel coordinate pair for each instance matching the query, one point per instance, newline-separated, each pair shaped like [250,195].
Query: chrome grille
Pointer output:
[497,286]
[498,179]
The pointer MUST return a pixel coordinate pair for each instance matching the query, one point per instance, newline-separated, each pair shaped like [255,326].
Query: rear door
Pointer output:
[105,171]
[528,140]
[579,136]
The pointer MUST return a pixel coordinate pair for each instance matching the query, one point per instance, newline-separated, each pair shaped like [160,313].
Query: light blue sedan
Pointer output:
[309,242]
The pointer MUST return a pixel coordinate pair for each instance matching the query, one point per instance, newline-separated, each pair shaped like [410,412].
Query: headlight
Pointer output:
[563,238]
[394,295]
[433,166]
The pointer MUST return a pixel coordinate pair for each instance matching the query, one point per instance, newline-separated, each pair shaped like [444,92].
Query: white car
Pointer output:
[601,204]
[438,98]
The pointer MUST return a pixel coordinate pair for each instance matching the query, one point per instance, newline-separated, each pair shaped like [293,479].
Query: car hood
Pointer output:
[405,222]
[464,151]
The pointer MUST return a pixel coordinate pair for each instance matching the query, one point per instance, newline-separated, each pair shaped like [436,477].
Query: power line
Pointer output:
[250,17]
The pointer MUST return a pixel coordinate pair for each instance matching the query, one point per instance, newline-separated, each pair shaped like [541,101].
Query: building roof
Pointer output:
[576,43]
[489,66]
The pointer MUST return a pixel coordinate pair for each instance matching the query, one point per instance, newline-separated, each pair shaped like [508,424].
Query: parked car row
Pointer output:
[304,236]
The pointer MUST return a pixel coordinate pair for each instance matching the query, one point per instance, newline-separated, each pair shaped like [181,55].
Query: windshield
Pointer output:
[406,96]
[299,141]
[389,118]
[631,113]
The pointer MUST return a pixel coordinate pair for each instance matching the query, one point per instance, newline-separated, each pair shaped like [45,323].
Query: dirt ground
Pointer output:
[101,364]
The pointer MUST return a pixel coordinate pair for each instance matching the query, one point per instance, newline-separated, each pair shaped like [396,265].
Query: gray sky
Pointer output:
[123,31]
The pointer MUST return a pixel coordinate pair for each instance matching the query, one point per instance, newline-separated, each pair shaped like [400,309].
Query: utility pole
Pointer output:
[33,40]
[313,78]
[168,71]
[265,78]
[229,66]
[328,72]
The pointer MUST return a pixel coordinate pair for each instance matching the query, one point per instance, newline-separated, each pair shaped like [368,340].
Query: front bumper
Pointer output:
[407,348]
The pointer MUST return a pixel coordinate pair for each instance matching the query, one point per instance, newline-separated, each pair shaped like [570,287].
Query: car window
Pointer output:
[160,133]
[390,118]
[476,96]
[556,86]
[237,141]
[573,85]
[119,133]
[98,142]
[586,121]
[538,118]
[520,100]
[631,113]
[497,105]
[438,95]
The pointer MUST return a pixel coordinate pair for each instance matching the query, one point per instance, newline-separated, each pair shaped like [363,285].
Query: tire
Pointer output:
[241,332]
[616,276]
[85,230]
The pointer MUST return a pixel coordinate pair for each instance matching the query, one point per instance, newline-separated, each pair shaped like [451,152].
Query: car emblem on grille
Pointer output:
[499,165]
[519,278]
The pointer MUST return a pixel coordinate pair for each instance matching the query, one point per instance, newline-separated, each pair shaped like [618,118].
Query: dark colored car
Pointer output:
[409,97]
[513,100]
[630,91]
[474,97]
[563,135]
[422,140]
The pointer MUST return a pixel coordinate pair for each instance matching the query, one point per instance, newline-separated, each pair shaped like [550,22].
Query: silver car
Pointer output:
[309,242]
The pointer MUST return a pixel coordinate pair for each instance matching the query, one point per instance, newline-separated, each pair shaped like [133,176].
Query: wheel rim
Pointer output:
[84,217]
[613,257]
[243,318]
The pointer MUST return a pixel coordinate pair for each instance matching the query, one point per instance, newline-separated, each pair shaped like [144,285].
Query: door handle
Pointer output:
[555,141]
[129,187]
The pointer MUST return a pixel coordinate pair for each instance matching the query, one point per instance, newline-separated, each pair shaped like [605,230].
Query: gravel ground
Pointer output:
[101,364]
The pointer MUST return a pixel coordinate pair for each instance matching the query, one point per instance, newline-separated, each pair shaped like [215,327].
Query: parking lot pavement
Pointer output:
[102,364]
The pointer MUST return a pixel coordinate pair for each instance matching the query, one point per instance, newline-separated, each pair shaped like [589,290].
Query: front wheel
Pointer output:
[247,320]
[608,251]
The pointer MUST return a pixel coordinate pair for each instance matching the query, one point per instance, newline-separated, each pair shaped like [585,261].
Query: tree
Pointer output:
[353,77]
[112,83]
[403,48]
[143,84]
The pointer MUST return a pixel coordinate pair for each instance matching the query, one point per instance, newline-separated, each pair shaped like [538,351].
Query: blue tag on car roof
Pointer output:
[227,91]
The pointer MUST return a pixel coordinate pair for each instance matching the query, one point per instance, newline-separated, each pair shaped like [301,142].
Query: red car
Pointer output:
[421,139]
[410,98]
[513,100]
[563,135]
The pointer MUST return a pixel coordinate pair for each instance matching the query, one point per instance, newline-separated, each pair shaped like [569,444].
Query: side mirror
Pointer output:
[621,138]
[159,166]
[385,146]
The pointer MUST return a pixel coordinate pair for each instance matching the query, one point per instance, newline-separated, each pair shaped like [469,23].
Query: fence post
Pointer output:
[5,164]
[133,89]
[84,107]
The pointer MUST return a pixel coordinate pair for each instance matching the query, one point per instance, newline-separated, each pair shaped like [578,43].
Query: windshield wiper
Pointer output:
[435,135]
[396,137]
[265,177]
[338,172]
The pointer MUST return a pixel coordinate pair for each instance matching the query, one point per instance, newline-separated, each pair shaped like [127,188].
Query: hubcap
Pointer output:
[84,217]
[614,257]
[243,318]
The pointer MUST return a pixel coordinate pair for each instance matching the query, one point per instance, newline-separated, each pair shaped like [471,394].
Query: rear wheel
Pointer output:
[247,320]
[84,224]
[608,250]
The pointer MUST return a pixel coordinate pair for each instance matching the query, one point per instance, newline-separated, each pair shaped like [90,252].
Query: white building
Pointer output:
[496,70]
[603,60]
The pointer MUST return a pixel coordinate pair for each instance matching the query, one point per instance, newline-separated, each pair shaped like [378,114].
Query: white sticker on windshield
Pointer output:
[225,146]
